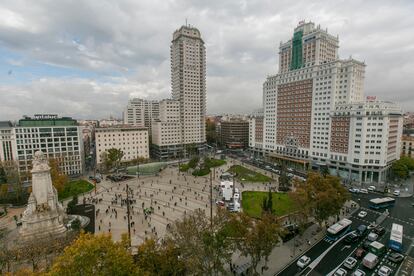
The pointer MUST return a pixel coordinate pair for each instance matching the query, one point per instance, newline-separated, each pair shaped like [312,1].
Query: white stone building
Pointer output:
[188,82]
[133,141]
[298,101]
[141,112]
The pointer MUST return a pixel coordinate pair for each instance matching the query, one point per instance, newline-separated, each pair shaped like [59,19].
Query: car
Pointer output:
[360,252]
[371,188]
[351,190]
[340,272]
[395,257]
[362,230]
[356,190]
[351,238]
[379,230]
[396,192]
[220,203]
[303,261]
[362,214]
[350,262]
[372,236]
[359,272]
[290,175]
[363,191]
[384,271]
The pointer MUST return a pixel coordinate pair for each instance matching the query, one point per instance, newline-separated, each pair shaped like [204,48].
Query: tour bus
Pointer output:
[378,203]
[396,237]
[339,229]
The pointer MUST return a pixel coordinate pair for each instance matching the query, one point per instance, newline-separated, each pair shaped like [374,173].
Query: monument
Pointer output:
[44,215]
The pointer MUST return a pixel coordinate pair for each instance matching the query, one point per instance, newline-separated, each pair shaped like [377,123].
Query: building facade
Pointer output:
[235,134]
[140,112]
[298,103]
[256,132]
[407,148]
[188,83]
[59,138]
[133,141]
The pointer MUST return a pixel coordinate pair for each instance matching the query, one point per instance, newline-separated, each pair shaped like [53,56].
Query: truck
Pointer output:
[226,190]
[377,248]
[370,260]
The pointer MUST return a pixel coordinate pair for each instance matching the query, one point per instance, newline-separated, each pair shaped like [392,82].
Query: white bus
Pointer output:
[396,237]
[378,203]
[339,229]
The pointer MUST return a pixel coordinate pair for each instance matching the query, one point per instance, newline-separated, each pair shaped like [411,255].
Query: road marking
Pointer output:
[345,247]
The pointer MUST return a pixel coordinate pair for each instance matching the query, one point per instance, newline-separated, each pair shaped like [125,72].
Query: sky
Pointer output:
[85,59]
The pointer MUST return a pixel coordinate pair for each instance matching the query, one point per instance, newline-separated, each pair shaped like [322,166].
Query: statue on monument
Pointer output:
[44,214]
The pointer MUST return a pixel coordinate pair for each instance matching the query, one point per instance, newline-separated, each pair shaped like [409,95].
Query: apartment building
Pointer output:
[256,132]
[188,82]
[59,138]
[234,133]
[133,141]
[141,112]
[299,100]
[407,148]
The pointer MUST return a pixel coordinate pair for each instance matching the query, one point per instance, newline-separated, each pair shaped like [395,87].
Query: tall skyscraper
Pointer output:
[301,125]
[188,84]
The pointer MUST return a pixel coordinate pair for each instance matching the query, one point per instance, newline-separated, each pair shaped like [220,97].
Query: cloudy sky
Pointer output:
[87,58]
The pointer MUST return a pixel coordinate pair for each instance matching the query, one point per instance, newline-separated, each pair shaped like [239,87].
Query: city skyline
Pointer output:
[84,66]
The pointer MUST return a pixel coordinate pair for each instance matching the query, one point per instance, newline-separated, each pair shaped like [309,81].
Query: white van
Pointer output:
[371,188]
[370,260]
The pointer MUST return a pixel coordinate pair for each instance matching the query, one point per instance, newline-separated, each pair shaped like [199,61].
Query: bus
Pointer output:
[339,229]
[378,203]
[396,237]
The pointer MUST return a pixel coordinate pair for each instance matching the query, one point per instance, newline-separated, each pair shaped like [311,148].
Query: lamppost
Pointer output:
[128,214]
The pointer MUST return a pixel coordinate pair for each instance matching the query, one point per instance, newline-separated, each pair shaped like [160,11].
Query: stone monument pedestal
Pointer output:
[44,215]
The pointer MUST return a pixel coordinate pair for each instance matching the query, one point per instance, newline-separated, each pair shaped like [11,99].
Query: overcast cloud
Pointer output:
[87,58]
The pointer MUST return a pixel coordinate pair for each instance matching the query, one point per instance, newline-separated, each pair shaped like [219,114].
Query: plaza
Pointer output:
[156,201]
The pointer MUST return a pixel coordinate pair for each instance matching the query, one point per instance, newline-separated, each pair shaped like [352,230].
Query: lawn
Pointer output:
[75,187]
[243,174]
[252,203]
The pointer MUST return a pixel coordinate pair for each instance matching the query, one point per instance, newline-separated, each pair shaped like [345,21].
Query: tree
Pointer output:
[257,238]
[95,255]
[160,258]
[72,204]
[59,179]
[204,246]
[401,168]
[267,206]
[320,197]
[284,180]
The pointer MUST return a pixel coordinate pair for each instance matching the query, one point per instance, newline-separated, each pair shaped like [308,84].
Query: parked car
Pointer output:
[340,272]
[371,188]
[395,257]
[362,214]
[350,262]
[384,271]
[303,262]
[363,191]
[396,193]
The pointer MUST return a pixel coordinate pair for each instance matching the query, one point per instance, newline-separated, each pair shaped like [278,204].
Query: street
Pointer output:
[401,213]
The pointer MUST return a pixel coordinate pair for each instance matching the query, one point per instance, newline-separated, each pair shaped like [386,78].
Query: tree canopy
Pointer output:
[95,255]
[320,196]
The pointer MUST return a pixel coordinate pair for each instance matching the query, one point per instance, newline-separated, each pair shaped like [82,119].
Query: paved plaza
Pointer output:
[157,201]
